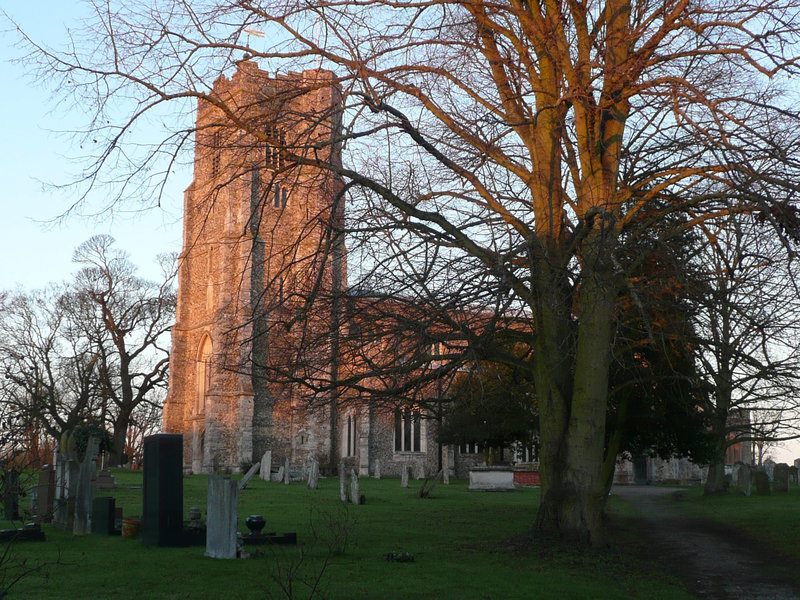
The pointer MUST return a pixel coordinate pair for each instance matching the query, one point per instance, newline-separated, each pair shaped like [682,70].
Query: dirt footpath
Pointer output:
[713,561]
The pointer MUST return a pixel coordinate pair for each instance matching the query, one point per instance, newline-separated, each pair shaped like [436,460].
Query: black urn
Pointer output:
[255,523]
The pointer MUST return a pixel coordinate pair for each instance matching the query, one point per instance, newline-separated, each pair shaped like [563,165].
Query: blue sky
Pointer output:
[34,156]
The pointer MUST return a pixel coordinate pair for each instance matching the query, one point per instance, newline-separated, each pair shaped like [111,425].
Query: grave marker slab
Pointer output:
[265,472]
[743,479]
[780,481]
[162,490]
[221,517]
[249,475]
[762,483]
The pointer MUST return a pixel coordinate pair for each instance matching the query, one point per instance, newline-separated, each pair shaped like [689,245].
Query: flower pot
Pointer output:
[131,527]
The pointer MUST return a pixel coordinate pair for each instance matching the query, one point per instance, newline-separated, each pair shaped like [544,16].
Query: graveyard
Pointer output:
[454,543]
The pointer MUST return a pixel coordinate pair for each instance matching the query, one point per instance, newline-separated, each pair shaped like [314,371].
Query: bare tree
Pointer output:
[498,154]
[746,337]
[130,319]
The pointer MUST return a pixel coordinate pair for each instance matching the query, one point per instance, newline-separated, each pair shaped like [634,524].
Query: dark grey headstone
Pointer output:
[103,514]
[762,483]
[162,490]
[743,479]
[780,478]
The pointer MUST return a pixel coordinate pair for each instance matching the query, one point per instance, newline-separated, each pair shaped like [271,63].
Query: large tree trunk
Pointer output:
[572,404]
[121,422]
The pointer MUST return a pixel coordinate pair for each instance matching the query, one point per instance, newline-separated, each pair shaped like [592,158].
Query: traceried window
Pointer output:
[203,374]
[280,196]
[350,435]
[408,430]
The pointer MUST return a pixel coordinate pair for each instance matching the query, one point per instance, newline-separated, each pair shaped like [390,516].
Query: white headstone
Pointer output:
[221,517]
[265,471]
[313,475]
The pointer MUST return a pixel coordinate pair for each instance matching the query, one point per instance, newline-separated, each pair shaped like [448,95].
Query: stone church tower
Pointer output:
[254,227]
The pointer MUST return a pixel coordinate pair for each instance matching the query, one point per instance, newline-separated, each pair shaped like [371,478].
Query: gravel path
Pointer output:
[713,561]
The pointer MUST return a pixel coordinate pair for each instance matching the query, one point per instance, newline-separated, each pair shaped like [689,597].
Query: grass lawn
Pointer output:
[772,520]
[466,545]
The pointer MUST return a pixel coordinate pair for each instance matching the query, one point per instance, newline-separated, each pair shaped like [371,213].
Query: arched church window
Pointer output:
[203,374]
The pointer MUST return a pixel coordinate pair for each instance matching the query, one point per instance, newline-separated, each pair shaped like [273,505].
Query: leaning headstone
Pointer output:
[85,490]
[743,480]
[793,475]
[265,472]
[355,489]
[279,475]
[221,517]
[249,475]
[162,490]
[404,476]
[780,478]
[342,483]
[313,475]
[286,477]
[762,483]
[769,467]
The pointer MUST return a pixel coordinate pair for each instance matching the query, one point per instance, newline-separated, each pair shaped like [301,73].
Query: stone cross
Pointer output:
[780,478]
[249,475]
[222,517]
[266,466]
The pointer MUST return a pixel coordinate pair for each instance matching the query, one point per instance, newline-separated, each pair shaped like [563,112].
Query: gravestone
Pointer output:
[793,475]
[162,490]
[221,517]
[249,475]
[103,516]
[355,488]
[286,477]
[445,465]
[342,483]
[46,493]
[797,463]
[105,480]
[743,479]
[420,471]
[769,467]
[762,483]
[313,475]
[265,472]
[404,476]
[279,475]
[84,492]
[376,471]
[11,494]
[780,478]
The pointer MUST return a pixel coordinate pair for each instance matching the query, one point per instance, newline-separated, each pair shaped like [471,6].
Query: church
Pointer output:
[259,248]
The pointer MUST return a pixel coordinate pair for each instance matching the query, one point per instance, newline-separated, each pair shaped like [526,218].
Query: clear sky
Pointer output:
[33,155]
